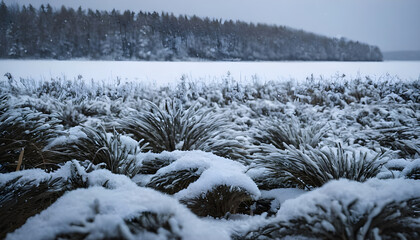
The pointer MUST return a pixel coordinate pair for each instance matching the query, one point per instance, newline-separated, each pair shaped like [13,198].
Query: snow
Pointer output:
[163,73]
[411,167]
[70,136]
[280,195]
[95,178]
[25,176]
[215,171]
[372,191]
[358,124]
[113,206]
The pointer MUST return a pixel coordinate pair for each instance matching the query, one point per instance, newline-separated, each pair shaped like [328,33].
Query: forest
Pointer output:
[66,33]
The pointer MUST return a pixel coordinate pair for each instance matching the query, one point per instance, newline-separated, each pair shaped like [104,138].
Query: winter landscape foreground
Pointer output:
[214,155]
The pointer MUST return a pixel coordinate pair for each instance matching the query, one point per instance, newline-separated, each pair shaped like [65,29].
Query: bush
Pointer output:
[339,220]
[171,127]
[309,168]
[278,133]
[174,181]
[21,198]
[28,132]
[218,202]
[98,146]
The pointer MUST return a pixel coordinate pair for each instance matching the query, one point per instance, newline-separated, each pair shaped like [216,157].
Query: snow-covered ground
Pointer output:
[257,156]
[162,73]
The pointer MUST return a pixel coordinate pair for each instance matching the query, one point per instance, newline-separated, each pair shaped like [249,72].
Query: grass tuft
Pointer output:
[310,168]
[338,220]
[219,202]
[29,130]
[172,127]
[278,133]
[101,147]
[175,181]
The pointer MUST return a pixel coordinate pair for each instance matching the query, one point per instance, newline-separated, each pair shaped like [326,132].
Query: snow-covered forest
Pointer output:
[331,159]
[66,33]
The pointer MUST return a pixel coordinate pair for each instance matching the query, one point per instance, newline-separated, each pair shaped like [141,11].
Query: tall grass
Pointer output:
[342,220]
[280,133]
[101,147]
[29,130]
[171,127]
[309,168]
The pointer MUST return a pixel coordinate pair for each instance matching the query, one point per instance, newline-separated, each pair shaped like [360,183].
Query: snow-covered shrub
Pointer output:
[404,139]
[151,163]
[171,127]
[123,213]
[26,193]
[219,201]
[280,133]
[174,181]
[3,103]
[309,167]
[20,201]
[115,150]
[348,210]
[69,114]
[207,184]
[28,132]
[412,170]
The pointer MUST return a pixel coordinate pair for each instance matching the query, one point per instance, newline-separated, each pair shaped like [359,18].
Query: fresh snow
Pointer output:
[215,171]
[349,123]
[280,195]
[370,192]
[113,206]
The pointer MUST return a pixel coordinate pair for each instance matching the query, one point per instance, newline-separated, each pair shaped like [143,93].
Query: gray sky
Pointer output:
[390,24]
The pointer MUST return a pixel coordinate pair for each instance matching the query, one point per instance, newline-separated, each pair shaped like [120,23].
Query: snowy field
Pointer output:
[162,73]
[264,152]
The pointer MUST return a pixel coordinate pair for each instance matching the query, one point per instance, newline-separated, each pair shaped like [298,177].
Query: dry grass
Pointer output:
[20,160]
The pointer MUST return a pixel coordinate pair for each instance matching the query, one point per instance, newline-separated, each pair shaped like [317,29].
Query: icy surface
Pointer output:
[152,73]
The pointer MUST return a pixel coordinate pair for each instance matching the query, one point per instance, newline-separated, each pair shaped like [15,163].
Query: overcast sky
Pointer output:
[390,24]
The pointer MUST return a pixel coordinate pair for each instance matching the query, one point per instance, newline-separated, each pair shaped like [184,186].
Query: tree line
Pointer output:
[67,33]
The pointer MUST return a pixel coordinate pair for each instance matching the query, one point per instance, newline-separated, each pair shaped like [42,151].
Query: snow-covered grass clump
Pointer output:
[348,210]
[123,211]
[324,159]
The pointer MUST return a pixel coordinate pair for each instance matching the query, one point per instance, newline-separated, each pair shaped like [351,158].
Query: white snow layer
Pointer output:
[368,193]
[280,195]
[95,178]
[151,72]
[101,213]
[216,171]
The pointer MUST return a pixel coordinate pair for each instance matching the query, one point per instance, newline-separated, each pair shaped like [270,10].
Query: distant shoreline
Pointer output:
[185,60]
[401,55]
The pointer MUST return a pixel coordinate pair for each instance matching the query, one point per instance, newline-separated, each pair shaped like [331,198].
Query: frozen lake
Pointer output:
[169,72]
